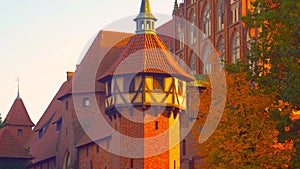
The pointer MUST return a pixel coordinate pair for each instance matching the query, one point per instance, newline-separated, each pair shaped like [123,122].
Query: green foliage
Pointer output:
[278,23]
[2,123]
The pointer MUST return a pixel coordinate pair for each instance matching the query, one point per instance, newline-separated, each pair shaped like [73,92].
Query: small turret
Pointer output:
[175,9]
[145,20]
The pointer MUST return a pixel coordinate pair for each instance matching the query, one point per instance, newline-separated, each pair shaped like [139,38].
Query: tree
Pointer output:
[1,123]
[276,60]
[11,163]
[246,134]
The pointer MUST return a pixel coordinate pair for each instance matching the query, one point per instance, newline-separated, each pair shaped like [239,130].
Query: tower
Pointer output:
[18,121]
[145,92]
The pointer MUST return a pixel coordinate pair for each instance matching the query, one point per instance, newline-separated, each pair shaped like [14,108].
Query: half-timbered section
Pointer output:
[145,93]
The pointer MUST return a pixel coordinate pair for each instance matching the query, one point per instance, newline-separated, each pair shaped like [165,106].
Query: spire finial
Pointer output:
[175,10]
[145,20]
[18,96]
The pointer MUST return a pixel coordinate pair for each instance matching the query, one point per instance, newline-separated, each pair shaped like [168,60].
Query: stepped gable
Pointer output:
[10,147]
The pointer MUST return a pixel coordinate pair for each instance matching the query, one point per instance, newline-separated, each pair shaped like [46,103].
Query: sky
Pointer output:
[41,40]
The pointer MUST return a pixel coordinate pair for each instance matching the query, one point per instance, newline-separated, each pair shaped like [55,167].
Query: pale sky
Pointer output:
[41,40]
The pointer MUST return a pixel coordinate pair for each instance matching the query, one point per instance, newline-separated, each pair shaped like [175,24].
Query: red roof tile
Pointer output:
[45,147]
[18,114]
[146,53]
[10,147]
[87,72]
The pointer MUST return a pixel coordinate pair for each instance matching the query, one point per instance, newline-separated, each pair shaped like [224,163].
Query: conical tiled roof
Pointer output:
[146,53]
[10,147]
[18,114]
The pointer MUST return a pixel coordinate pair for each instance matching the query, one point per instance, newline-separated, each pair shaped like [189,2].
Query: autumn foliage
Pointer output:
[246,136]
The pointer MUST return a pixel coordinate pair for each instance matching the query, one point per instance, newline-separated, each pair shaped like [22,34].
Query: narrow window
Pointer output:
[193,63]
[183,147]
[206,60]
[156,125]
[131,163]
[235,47]
[42,131]
[91,164]
[67,105]
[221,53]
[221,15]
[193,28]
[58,125]
[97,149]
[87,152]
[20,132]
[206,23]
[109,88]
[86,102]
[174,164]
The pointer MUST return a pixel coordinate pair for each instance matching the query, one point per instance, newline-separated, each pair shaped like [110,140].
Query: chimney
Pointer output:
[69,75]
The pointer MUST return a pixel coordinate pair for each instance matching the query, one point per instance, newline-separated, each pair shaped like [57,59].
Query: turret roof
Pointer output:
[146,53]
[18,114]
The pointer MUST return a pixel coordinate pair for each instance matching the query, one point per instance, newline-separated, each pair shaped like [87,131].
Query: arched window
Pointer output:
[221,52]
[235,11]
[193,27]
[206,60]
[250,40]
[181,32]
[221,15]
[67,160]
[250,37]
[206,24]
[235,47]
[193,63]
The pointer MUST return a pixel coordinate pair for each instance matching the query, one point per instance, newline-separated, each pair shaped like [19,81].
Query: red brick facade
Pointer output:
[218,33]
[219,30]
[59,141]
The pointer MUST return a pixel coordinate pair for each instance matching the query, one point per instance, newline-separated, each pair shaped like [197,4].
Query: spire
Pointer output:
[145,7]
[18,95]
[175,10]
[18,114]
[145,20]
